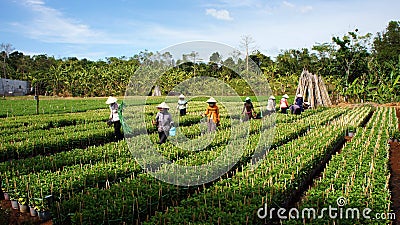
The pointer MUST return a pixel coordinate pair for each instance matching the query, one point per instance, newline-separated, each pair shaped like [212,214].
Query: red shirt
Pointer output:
[284,103]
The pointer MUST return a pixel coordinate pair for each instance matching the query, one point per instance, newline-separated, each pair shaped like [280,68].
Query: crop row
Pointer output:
[61,179]
[24,144]
[23,124]
[73,184]
[28,107]
[92,154]
[238,199]
[109,151]
[283,133]
[40,162]
[68,179]
[144,193]
[46,142]
[358,177]
[198,148]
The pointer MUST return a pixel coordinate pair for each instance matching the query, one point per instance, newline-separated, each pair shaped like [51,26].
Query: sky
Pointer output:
[95,29]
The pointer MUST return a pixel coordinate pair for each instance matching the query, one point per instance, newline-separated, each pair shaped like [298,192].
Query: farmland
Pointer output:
[291,161]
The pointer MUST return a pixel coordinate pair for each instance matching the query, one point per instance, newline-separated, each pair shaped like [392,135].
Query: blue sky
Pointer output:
[95,29]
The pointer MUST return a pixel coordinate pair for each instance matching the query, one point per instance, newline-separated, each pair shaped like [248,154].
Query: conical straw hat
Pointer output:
[163,105]
[111,100]
[211,100]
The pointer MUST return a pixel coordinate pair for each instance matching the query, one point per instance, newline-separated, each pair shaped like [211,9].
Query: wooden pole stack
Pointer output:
[157,91]
[313,90]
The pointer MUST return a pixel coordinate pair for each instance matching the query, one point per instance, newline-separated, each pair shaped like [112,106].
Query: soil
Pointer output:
[395,178]
[346,139]
[345,104]
[396,104]
[395,175]
[398,115]
[17,217]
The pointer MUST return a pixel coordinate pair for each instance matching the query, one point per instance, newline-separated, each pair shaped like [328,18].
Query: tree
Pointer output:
[247,44]
[215,57]
[20,65]
[40,74]
[324,59]
[265,63]
[227,71]
[288,62]
[260,59]
[6,49]
[387,44]
[193,56]
[352,57]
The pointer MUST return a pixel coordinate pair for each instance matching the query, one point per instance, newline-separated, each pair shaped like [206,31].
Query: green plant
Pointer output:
[40,205]
[351,129]
[396,134]
[5,215]
[359,174]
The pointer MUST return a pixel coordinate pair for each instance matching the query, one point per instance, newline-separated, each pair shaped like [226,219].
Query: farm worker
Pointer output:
[299,101]
[284,104]
[212,113]
[114,117]
[182,105]
[163,121]
[295,109]
[248,109]
[306,105]
[271,105]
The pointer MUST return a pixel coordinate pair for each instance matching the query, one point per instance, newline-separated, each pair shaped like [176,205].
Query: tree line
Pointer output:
[357,67]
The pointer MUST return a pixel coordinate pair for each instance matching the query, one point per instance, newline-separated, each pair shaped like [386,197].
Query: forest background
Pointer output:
[356,68]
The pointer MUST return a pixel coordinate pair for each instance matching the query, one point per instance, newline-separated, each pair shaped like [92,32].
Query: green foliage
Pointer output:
[107,177]
[356,67]
[48,106]
[359,174]
[387,45]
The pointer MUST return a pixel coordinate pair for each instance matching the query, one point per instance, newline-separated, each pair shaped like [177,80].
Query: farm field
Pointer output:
[66,161]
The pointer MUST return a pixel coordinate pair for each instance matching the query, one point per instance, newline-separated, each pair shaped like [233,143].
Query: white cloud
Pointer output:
[306,9]
[288,4]
[302,9]
[241,3]
[50,25]
[34,2]
[219,14]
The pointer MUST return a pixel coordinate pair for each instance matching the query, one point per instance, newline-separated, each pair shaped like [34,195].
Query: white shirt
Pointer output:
[114,112]
[182,104]
[271,105]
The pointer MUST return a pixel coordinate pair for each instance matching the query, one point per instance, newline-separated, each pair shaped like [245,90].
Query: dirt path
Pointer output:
[395,175]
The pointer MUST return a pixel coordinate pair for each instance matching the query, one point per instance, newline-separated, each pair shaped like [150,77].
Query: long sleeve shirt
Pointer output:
[299,102]
[284,103]
[182,104]
[212,112]
[164,121]
[271,105]
[114,112]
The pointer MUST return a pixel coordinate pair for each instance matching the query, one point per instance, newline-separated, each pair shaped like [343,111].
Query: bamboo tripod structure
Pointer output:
[313,89]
